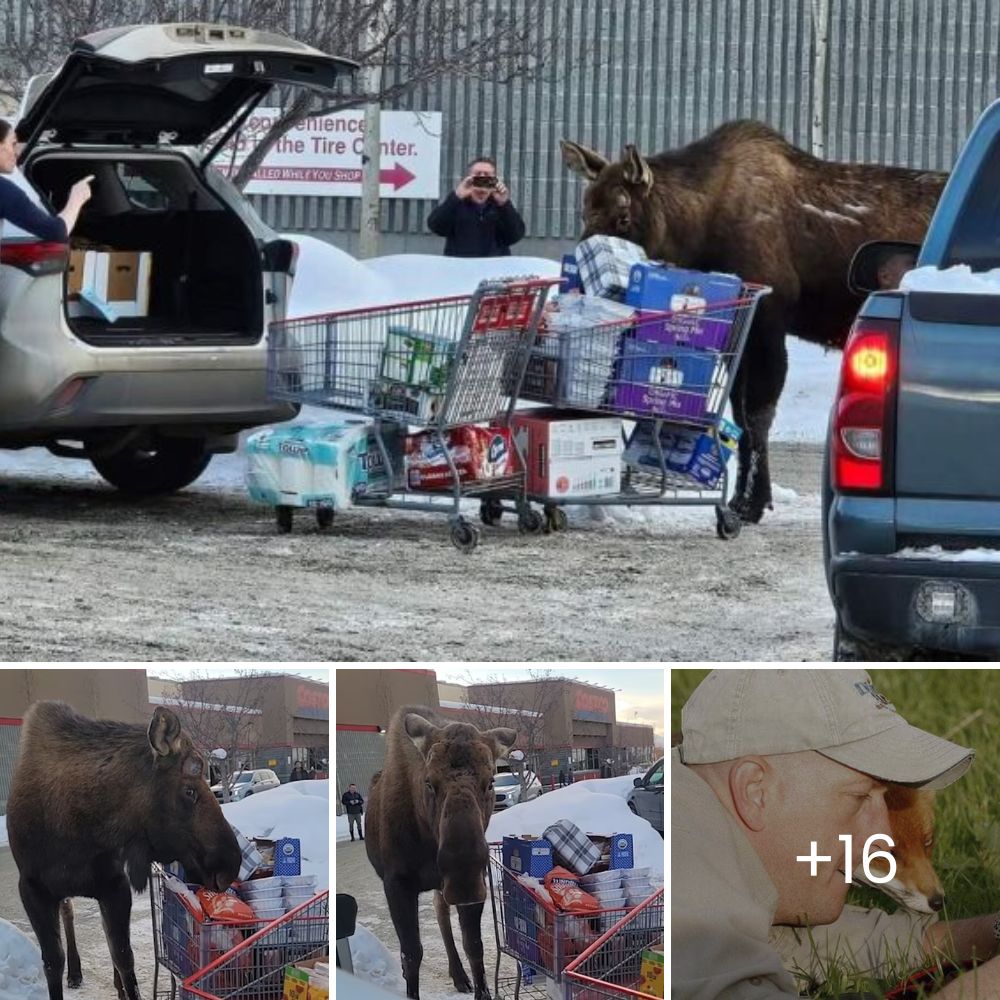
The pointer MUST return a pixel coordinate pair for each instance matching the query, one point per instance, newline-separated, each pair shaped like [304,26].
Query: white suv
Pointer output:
[247,783]
[149,397]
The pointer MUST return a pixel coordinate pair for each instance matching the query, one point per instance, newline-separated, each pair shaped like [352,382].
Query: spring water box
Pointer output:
[308,465]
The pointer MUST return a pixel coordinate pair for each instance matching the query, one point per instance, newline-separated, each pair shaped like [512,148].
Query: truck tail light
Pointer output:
[864,409]
[34,257]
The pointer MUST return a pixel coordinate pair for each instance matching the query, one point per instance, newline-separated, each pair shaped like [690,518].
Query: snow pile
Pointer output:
[595,806]
[374,962]
[21,975]
[299,809]
[958,279]
[938,554]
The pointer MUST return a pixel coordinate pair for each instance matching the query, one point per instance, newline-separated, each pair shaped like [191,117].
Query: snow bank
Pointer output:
[299,809]
[938,554]
[374,962]
[596,806]
[958,279]
[21,975]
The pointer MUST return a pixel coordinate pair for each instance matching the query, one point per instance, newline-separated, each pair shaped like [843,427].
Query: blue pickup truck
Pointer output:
[911,511]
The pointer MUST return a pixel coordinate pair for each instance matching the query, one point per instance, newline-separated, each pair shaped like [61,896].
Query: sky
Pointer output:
[639,693]
[215,670]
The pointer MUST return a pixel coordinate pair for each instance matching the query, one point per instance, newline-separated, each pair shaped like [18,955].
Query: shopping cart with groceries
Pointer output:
[540,941]
[667,376]
[212,960]
[439,379]
[626,961]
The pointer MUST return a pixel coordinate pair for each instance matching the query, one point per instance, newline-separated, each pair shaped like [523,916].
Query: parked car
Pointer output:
[911,515]
[247,783]
[148,398]
[646,797]
[507,789]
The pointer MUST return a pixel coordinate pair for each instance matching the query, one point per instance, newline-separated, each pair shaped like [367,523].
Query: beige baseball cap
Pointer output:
[839,713]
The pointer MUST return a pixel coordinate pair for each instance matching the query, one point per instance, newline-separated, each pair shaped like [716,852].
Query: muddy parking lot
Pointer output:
[88,575]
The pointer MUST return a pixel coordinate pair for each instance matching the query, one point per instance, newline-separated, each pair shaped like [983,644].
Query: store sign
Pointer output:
[312,703]
[322,155]
[592,706]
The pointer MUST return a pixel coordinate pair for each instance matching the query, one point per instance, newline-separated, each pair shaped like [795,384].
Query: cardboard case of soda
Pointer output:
[686,450]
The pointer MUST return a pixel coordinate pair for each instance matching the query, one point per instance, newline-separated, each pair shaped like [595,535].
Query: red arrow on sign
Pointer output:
[398,176]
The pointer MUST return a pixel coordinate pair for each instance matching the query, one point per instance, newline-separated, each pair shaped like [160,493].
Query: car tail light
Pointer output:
[34,257]
[863,415]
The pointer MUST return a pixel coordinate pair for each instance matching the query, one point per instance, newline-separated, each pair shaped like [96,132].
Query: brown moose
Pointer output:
[743,200]
[91,804]
[427,816]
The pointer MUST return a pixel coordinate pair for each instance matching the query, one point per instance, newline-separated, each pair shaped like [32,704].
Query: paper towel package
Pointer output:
[308,465]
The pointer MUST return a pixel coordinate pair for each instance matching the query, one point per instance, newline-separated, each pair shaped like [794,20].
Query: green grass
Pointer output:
[962,705]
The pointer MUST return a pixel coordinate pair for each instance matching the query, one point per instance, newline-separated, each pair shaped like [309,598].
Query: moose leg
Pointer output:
[402,900]
[43,912]
[74,975]
[116,910]
[470,919]
[443,912]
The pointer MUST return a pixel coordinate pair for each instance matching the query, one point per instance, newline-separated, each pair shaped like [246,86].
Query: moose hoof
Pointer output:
[482,993]
[461,981]
[74,982]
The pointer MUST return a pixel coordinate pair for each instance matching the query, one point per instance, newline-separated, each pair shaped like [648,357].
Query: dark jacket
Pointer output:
[472,230]
[19,209]
[353,802]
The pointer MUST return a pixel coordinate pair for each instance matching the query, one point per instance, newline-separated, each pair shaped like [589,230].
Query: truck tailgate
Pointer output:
[948,408]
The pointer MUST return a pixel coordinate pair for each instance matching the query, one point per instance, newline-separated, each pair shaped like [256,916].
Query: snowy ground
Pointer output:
[300,809]
[597,806]
[92,576]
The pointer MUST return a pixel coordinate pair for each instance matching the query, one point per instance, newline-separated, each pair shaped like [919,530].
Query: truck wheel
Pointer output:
[167,467]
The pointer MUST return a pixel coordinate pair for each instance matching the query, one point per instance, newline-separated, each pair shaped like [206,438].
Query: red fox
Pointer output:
[911,826]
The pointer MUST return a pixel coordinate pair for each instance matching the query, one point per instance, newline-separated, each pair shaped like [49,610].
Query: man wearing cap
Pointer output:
[773,768]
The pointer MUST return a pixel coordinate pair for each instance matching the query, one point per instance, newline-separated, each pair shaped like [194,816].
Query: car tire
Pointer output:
[169,466]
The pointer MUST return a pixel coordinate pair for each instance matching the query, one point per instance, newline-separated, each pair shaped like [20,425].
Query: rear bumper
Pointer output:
[878,598]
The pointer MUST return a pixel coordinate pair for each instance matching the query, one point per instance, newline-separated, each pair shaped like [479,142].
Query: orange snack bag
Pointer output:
[225,908]
[563,887]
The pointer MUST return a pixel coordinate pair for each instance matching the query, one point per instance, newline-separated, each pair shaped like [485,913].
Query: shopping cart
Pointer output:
[184,947]
[672,373]
[433,365]
[541,940]
[610,968]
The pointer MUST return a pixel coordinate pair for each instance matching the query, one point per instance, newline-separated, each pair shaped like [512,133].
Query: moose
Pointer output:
[427,816]
[744,200]
[92,803]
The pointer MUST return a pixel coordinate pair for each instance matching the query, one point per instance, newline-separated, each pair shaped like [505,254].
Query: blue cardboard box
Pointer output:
[694,453]
[288,856]
[622,852]
[696,300]
[569,277]
[532,856]
[661,380]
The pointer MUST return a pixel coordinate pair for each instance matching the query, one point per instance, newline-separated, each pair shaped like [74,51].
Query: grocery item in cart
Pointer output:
[651,971]
[605,264]
[695,300]
[566,893]
[569,455]
[307,465]
[695,453]
[527,855]
[660,380]
[479,454]
[288,856]
[569,276]
[572,846]
[415,358]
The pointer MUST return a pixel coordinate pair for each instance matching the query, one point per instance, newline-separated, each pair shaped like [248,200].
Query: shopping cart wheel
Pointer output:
[490,511]
[555,518]
[529,521]
[324,517]
[464,535]
[727,523]
[284,516]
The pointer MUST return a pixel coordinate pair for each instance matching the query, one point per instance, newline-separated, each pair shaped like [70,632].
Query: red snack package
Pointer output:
[225,908]
[563,887]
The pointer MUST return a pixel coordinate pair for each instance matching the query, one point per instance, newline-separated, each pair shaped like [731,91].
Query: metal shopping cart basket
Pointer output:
[184,947]
[672,373]
[434,365]
[541,940]
[610,969]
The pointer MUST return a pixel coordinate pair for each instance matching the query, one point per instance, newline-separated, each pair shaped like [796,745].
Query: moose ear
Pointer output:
[503,738]
[581,160]
[420,731]
[635,169]
[165,732]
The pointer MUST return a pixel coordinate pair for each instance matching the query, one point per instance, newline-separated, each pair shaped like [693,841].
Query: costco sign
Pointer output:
[592,706]
[322,155]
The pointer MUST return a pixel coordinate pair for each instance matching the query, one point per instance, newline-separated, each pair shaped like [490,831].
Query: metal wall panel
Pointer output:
[10,743]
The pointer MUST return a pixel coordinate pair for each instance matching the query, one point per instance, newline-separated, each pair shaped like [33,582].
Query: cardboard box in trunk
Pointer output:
[109,284]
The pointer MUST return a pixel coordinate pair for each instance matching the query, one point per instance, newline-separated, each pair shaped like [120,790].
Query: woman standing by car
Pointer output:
[19,209]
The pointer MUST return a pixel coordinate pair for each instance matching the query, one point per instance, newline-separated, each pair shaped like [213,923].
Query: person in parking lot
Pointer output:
[773,769]
[18,208]
[354,804]
[298,772]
